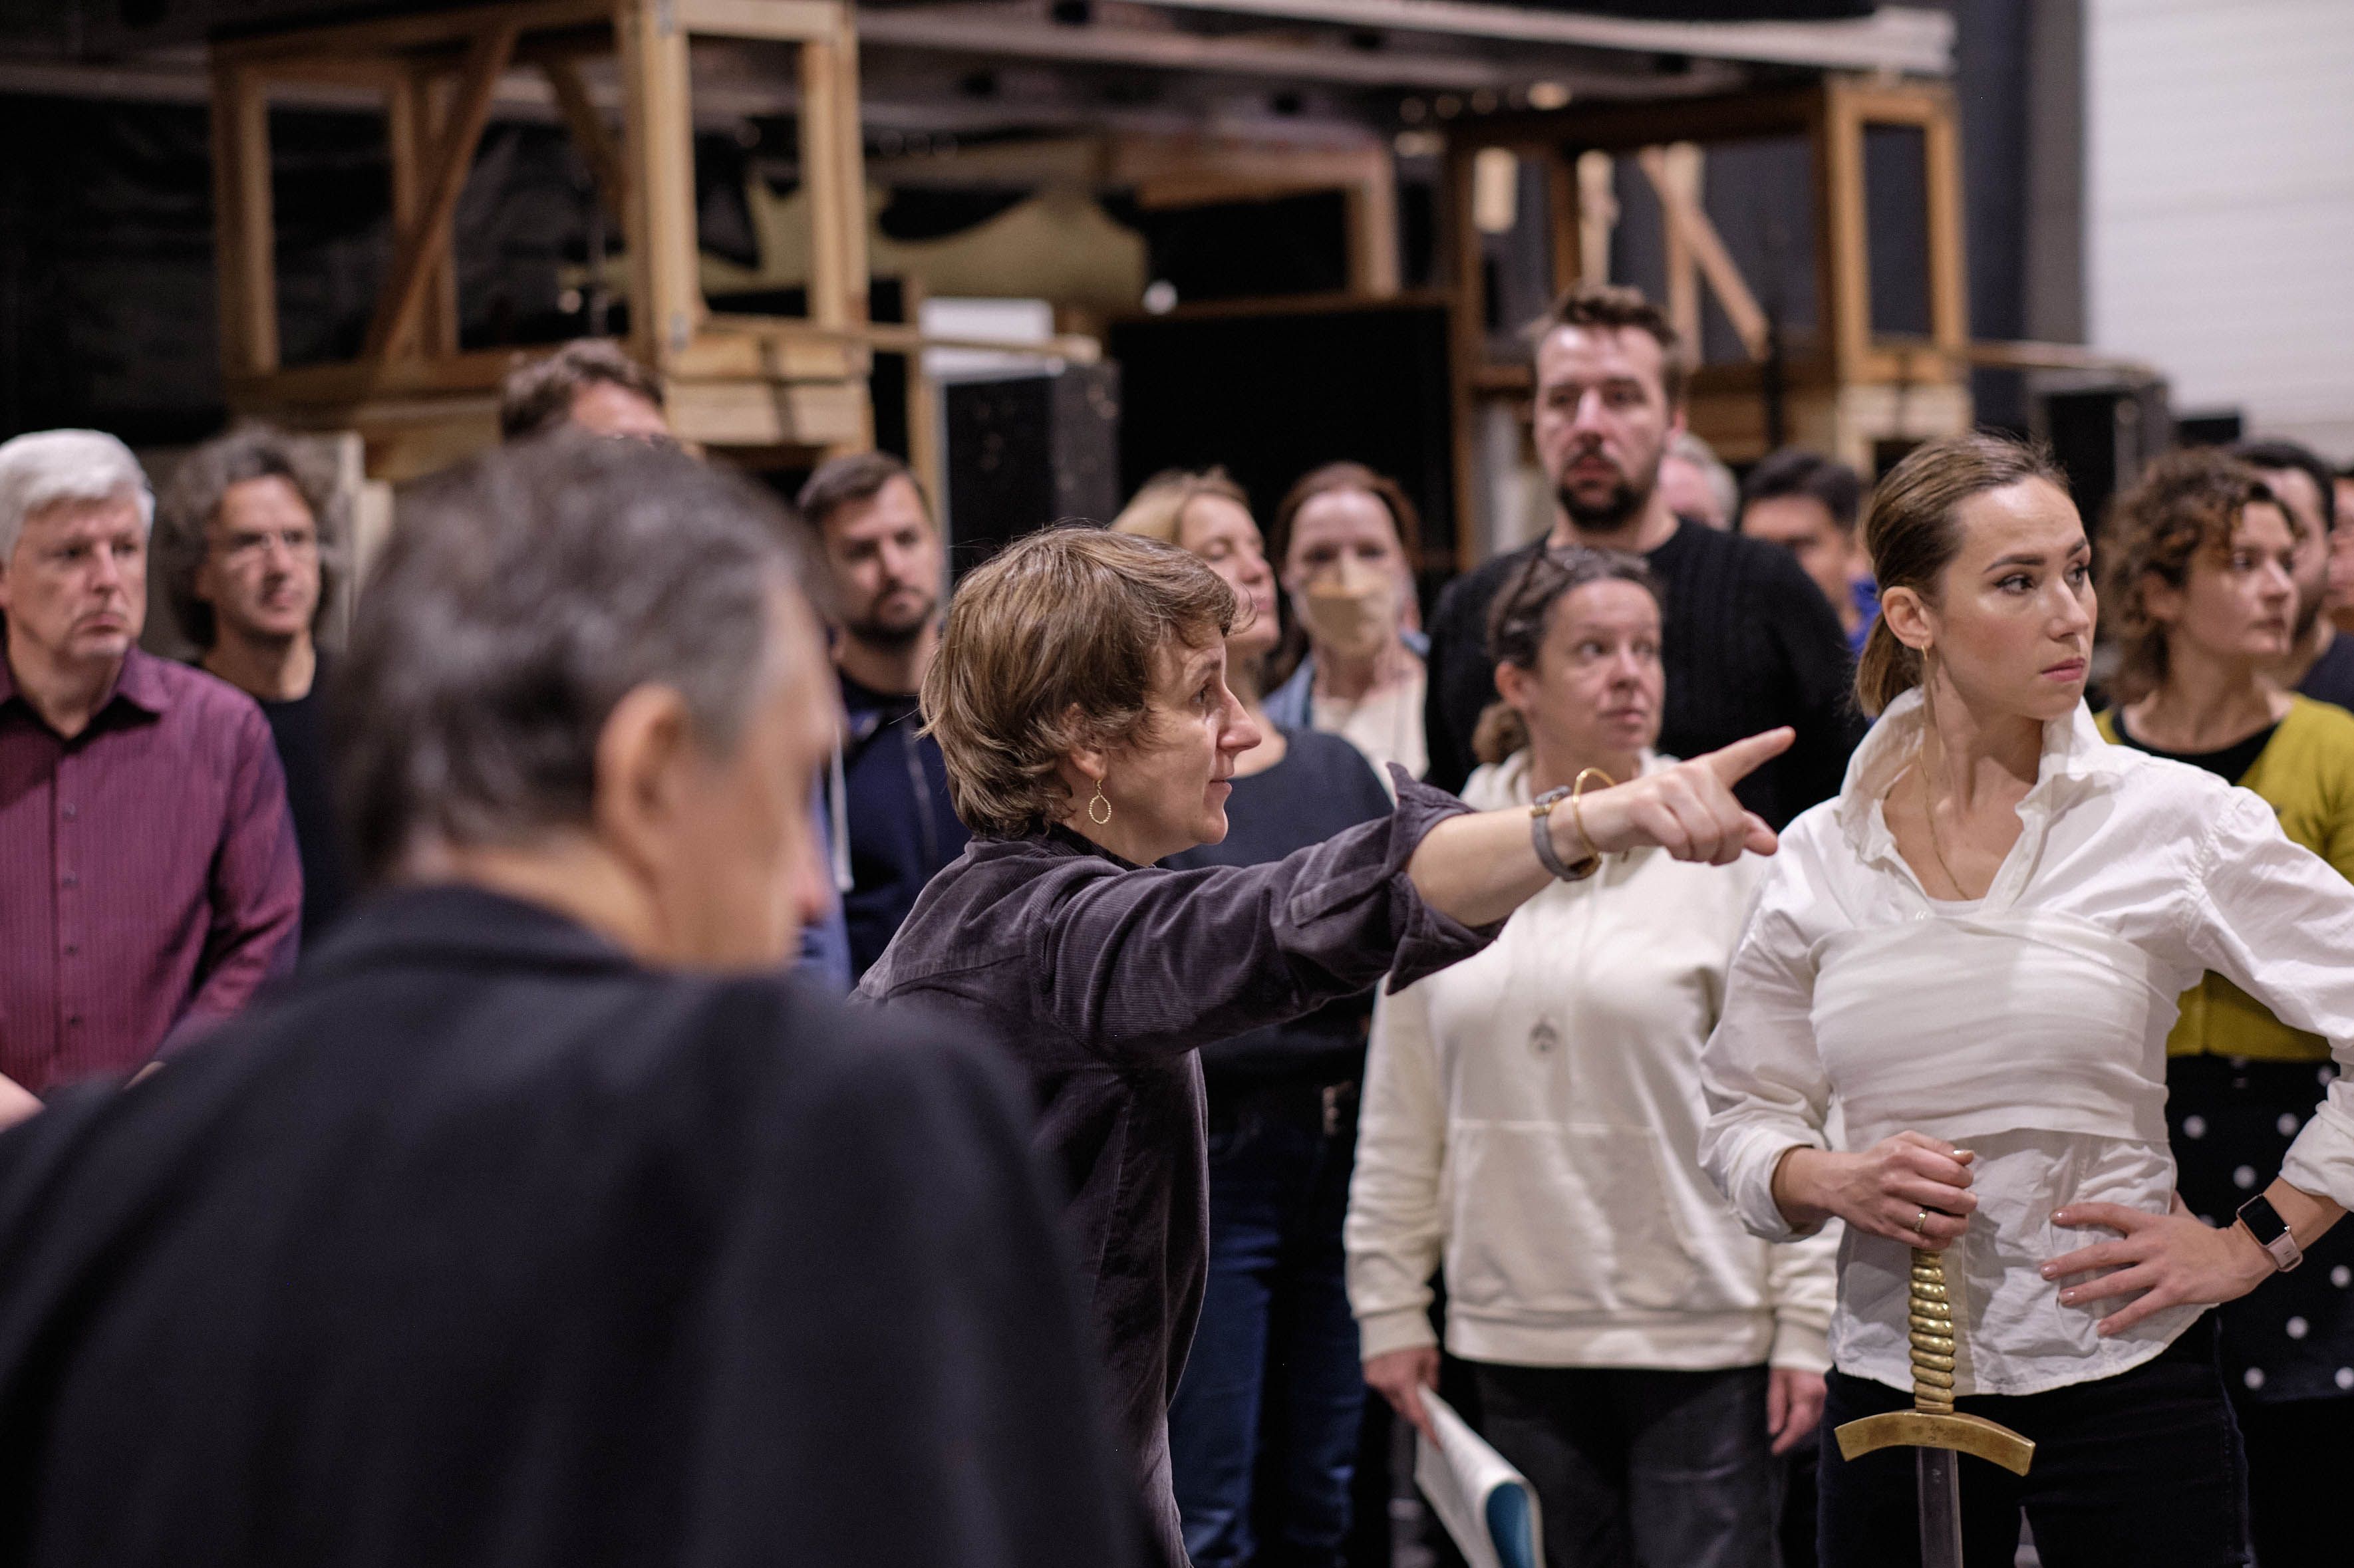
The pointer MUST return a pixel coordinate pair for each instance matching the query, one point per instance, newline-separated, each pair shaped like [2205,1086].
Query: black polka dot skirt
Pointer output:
[2231,1120]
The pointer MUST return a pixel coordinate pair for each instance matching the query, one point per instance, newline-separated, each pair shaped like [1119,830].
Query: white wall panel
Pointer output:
[2219,203]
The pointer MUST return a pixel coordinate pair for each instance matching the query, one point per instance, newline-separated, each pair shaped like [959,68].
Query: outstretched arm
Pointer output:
[1478,869]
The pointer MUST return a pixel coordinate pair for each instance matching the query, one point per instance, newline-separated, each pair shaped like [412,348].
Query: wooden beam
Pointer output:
[398,34]
[1841,259]
[414,108]
[1675,175]
[1372,227]
[897,337]
[834,209]
[1562,217]
[590,135]
[1691,230]
[665,294]
[1463,257]
[783,21]
[1597,209]
[1949,301]
[244,231]
[427,238]
[1624,125]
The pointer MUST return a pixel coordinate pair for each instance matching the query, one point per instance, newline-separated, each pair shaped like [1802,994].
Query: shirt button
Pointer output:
[73,1018]
[72,948]
[67,880]
[69,810]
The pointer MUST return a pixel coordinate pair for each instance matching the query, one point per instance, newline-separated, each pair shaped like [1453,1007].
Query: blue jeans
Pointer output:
[2142,1469]
[1640,1469]
[1263,1434]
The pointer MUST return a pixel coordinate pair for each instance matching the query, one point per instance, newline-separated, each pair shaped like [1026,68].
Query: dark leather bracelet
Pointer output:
[1541,836]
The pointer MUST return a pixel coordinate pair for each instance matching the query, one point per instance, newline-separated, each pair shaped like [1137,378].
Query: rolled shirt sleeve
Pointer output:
[1761,1074]
[2278,920]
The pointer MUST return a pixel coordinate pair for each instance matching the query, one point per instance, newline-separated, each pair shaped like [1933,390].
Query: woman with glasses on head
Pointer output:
[1532,1119]
[2200,567]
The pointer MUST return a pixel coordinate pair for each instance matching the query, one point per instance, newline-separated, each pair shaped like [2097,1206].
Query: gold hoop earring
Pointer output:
[1104,821]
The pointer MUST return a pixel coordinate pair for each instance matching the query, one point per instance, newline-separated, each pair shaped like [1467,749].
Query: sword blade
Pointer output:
[1937,1472]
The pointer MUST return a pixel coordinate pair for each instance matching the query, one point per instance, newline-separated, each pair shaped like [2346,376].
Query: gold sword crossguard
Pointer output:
[1933,1422]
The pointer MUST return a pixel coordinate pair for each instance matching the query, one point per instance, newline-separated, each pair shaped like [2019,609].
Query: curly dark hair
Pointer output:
[2186,504]
[183,514]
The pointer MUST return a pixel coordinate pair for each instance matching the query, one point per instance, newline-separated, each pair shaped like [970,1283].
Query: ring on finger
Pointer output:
[1921,1223]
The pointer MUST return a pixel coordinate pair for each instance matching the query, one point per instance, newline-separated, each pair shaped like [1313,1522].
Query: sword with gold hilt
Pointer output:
[1937,1432]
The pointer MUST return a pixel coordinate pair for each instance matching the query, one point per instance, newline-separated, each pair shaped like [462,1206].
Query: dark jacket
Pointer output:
[1748,640]
[485,1245]
[902,828]
[1103,979]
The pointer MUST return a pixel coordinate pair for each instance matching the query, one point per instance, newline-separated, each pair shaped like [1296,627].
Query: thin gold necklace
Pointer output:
[1929,810]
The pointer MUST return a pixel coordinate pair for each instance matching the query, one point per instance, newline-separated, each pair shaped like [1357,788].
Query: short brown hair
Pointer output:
[853,481]
[1523,616]
[1613,307]
[2185,504]
[1156,511]
[537,393]
[189,503]
[1055,644]
[1912,536]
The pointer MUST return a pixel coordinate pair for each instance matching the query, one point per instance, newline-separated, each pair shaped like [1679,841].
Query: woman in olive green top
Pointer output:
[2199,598]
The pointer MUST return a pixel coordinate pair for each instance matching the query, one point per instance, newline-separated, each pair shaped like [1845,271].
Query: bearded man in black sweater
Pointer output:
[1750,641]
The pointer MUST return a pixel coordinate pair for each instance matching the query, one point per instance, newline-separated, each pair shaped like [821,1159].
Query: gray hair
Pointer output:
[520,597]
[192,497]
[51,466]
[1721,485]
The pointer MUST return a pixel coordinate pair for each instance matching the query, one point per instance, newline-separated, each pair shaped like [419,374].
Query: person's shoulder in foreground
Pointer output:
[486,1244]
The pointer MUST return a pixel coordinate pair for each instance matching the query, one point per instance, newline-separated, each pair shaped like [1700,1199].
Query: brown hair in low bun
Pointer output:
[1523,613]
[1912,533]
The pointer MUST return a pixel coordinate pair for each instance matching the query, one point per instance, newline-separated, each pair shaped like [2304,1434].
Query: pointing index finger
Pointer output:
[1733,763]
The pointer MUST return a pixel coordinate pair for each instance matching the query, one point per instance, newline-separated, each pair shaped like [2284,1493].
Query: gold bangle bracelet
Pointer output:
[1578,808]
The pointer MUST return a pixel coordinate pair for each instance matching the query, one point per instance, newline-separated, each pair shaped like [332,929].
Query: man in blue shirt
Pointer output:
[1808,504]
[883,551]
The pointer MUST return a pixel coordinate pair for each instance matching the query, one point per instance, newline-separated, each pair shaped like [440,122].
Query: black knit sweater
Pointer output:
[1750,644]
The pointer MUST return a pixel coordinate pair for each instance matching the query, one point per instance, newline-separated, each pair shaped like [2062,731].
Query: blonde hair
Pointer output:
[1052,646]
[1156,511]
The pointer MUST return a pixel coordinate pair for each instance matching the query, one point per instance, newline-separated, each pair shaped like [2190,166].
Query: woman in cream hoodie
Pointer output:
[1532,1117]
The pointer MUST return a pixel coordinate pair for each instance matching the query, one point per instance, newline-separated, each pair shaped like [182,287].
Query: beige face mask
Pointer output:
[1351,608]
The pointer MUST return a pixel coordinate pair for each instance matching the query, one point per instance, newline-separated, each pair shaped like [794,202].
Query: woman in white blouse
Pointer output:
[1533,1114]
[1975,950]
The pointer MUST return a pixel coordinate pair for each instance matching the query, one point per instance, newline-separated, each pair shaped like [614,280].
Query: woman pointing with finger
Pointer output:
[1080,701]
[1976,950]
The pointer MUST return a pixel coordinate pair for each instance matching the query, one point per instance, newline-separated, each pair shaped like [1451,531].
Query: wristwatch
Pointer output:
[1541,835]
[2272,1233]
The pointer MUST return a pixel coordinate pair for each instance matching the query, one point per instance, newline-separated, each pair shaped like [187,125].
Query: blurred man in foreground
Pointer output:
[543,1221]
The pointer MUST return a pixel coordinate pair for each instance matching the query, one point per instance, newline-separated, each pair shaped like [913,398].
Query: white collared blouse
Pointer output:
[2029,1025]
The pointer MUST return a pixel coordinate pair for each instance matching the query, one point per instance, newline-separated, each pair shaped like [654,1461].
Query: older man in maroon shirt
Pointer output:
[148,875]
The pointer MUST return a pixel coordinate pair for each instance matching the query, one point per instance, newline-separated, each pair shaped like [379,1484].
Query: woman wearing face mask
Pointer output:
[2203,598]
[1081,700]
[1344,542]
[1271,1386]
[1532,1118]
[1976,947]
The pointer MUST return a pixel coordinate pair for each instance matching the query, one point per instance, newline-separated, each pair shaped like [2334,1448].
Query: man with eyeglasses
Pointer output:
[249,543]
